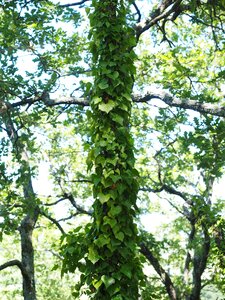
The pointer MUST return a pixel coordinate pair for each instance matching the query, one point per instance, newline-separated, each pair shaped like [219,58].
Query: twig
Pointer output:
[138,12]
[73,4]
[56,202]
[54,221]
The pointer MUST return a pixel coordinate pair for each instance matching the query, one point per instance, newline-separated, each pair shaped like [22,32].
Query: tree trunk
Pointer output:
[27,251]
[113,267]
[26,231]
[30,208]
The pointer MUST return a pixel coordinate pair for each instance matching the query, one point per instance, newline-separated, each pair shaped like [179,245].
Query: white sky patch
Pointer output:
[42,184]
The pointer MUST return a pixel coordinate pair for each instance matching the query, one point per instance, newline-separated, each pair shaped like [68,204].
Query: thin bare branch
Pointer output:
[54,221]
[78,207]
[74,4]
[157,16]
[169,190]
[162,273]
[13,263]
[138,12]
[56,202]
[68,218]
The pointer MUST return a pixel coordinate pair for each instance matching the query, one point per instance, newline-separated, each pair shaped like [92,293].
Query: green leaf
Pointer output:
[103,85]
[119,235]
[110,221]
[97,284]
[115,210]
[126,270]
[78,228]
[107,280]
[102,241]
[96,100]
[96,179]
[118,119]
[93,255]
[114,75]
[103,198]
[107,107]
[71,249]
[127,96]
[117,297]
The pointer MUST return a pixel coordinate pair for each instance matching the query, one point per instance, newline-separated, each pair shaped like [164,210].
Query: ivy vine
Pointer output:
[112,268]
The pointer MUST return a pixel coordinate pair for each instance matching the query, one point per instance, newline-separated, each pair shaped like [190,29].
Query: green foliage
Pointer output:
[48,280]
[112,269]
[179,155]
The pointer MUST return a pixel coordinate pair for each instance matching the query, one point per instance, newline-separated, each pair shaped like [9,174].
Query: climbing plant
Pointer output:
[47,54]
[112,269]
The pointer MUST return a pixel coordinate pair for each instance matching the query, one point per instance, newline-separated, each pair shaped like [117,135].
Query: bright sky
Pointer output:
[43,185]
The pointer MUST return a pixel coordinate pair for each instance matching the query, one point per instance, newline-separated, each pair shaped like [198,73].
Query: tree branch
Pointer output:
[167,98]
[138,12]
[56,202]
[13,263]
[188,259]
[69,217]
[74,4]
[169,190]
[199,264]
[54,221]
[162,273]
[157,16]
[78,207]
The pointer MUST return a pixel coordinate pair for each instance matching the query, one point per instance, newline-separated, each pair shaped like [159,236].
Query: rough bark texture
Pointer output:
[31,209]
[26,231]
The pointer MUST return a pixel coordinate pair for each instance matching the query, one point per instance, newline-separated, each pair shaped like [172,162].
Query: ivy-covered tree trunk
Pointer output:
[113,268]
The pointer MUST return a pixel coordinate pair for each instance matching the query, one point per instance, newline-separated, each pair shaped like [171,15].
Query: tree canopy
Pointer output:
[112,112]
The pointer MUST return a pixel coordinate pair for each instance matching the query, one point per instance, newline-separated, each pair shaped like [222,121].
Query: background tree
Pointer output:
[180,153]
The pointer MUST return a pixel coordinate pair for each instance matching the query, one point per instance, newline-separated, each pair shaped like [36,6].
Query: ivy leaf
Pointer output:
[96,179]
[107,107]
[118,297]
[115,210]
[97,284]
[102,241]
[115,74]
[126,270]
[107,280]
[119,235]
[111,222]
[96,100]
[118,119]
[103,198]
[103,85]
[127,96]
[93,255]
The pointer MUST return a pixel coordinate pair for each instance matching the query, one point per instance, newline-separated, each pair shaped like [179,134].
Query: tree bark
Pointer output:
[171,291]
[26,231]
[30,207]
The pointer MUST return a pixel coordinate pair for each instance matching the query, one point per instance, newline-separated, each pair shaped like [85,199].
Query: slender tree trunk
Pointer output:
[30,207]
[26,231]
